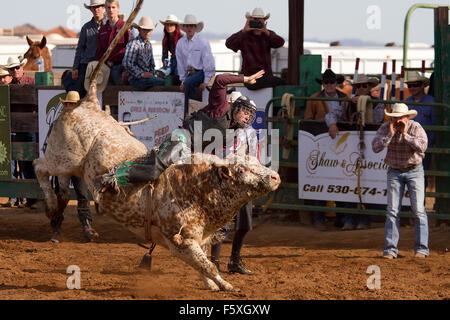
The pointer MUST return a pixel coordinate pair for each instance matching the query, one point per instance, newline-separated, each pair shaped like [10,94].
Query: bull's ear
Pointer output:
[225,172]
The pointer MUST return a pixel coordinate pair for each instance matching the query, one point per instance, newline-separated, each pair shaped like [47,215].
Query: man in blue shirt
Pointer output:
[86,48]
[138,61]
[425,114]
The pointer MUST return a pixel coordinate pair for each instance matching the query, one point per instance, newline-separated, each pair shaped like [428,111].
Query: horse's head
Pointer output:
[35,50]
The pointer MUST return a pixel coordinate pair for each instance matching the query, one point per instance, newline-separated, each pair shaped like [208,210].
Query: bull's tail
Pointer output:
[93,84]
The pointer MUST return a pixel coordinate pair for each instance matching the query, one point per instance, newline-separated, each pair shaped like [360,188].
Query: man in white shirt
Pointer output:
[195,61]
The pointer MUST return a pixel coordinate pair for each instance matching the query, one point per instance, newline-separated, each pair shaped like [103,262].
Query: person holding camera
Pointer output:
[406,143]
[255,42]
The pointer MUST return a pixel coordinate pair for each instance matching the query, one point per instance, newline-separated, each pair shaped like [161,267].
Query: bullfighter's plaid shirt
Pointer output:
[402,151]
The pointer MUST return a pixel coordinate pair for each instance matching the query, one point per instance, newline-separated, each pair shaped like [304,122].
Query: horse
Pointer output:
[36,50]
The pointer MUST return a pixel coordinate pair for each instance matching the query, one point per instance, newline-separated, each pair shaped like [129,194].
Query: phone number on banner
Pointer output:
[346,189]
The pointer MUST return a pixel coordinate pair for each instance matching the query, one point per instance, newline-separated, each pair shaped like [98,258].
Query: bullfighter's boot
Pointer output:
[235,265]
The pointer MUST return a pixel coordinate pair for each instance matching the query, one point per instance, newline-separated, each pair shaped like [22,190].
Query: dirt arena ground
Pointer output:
[290,261]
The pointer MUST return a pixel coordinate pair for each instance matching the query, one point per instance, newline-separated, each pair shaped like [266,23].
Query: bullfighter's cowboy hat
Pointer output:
[190,19]
[414,76]
[14,62]
[172,19]
[257,13]
[144,23]
[103,76]
[94,3]
[400,110]
[72,97]
[362,78]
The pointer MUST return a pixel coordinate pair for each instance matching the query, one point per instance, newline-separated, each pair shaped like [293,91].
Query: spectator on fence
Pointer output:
[15,68]
[138,61]
[195,61]
[106,35]
[406,143]
[255,42]
[5,76]
[172,33]
[80,187]
[318,110]
[86,47]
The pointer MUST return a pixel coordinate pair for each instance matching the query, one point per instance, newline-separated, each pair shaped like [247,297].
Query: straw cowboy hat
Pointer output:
[144,23]
[72,96]
[414,76]
[94,3]
[362,78]
[257,13]
[14,62]
[400,110]
[3,72]
[171,18]
[103,76]
[190,19]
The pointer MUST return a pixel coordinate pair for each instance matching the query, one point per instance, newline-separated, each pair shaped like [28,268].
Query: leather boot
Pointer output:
[217,264]
[235,266]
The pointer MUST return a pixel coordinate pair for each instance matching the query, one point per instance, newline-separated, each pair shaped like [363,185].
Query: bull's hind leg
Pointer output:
[42,174]
[191,253]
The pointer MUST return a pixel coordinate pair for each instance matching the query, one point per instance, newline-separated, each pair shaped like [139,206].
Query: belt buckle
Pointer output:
[191,71]
[110,63]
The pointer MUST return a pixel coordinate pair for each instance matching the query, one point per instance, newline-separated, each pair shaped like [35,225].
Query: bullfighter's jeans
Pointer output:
[396,182]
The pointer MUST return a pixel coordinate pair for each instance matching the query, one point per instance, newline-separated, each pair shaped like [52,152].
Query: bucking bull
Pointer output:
[180,211]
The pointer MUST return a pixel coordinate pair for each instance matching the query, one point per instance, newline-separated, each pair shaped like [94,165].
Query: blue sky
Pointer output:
[378,21]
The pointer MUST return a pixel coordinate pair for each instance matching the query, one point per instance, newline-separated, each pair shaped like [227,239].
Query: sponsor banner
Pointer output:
[49,109]
[5,134]
[134,106]
[327,168]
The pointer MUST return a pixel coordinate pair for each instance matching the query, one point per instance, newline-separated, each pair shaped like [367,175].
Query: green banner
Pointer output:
[5,134]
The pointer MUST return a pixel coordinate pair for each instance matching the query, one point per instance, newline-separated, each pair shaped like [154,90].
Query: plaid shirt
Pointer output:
[255,50]
[138,58]
[403,151]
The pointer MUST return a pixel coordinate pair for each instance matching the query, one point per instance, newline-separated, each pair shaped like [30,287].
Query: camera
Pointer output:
[256,24]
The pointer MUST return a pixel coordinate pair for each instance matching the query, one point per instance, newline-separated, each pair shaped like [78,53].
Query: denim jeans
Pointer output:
[115,76]
[144,83]
[190,83]
[396,182]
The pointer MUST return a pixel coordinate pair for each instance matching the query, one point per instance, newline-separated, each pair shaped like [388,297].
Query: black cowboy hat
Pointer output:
[330,75]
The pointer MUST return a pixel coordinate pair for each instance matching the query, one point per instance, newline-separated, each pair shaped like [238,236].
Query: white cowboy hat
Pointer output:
[362,78]
[14,62]
[94,3]
[400,110]
[190,19]
[72,96]
[3,72]
[414,76]
[257,13]
[171,18]
[145,23]
[103,76]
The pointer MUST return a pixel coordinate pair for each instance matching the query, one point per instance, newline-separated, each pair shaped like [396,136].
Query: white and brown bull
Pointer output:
[180,210]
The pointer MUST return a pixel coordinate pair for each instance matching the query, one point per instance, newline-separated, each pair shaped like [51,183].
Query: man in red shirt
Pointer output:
[255,42]
[15,68]
[106,35]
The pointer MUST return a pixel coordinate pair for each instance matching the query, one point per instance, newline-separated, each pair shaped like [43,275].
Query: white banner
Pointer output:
[49,108]
[169,106]
[327,168]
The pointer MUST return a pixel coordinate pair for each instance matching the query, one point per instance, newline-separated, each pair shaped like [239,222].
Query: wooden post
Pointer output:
[296,22]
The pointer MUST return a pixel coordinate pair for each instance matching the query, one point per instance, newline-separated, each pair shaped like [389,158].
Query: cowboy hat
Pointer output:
[190,19]
[171,18]
[14,62]
[103,76]
[327,75]
[94,3]
[400,110]
[257,13]
[144,23]
[362,78]
[72,97]
[3,72]
[414,76]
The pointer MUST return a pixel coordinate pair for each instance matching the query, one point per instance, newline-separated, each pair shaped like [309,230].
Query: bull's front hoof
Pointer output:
[146,262]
